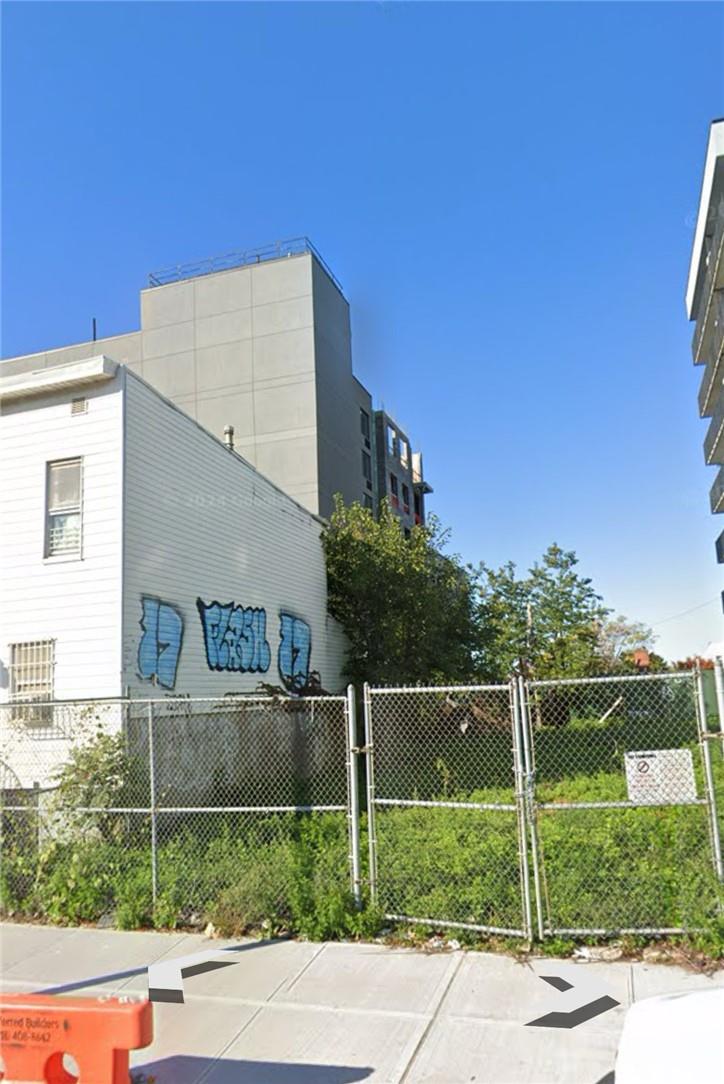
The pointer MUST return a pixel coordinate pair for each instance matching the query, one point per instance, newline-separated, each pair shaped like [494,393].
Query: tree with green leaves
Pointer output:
[546,623]
[408,609]
[619,638]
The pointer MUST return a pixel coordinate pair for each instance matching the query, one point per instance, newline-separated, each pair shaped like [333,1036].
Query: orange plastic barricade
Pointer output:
[37,1030]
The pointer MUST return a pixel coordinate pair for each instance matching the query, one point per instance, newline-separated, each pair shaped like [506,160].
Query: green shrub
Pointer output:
[608,868]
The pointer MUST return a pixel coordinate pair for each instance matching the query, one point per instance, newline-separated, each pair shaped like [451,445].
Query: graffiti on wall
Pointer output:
[160,646]
[234,637]
[295,648]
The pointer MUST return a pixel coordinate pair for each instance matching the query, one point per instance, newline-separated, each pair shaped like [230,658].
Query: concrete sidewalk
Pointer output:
[293,1012]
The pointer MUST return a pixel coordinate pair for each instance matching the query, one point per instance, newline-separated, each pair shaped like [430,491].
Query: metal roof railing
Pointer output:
[277,250]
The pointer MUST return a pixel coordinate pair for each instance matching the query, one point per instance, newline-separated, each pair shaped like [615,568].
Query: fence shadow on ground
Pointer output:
[187,1069]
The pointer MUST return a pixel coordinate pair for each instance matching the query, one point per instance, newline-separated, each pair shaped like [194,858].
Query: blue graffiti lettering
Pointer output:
[160,646]
[234,637]
[295,649]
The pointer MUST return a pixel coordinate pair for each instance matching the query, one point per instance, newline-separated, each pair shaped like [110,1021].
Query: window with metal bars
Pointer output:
[31,670]
[63,508]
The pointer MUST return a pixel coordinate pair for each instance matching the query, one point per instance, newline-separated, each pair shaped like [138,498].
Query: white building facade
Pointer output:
[142,556]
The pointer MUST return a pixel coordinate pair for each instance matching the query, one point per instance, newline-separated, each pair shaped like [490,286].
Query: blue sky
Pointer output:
[507,193]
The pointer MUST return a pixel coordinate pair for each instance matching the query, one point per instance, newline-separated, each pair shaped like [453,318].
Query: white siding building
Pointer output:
[140,555]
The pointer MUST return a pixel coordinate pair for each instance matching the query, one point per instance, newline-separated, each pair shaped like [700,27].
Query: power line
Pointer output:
[684,613]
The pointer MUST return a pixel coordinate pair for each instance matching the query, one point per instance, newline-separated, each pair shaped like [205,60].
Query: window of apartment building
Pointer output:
[417,506]
[405,497]
[391,438]
[63,508]
[31,670]
[404,453]
[364,422]
[367,468]
[367,501]
[394,491]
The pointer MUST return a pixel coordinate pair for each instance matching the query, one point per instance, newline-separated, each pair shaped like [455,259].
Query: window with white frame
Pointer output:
[31,670]
[391,440]
[63,508]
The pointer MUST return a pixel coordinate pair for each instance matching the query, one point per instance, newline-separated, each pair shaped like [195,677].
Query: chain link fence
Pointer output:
[531,809]
[444,807]
[152,810]
[585,807]
[623,797]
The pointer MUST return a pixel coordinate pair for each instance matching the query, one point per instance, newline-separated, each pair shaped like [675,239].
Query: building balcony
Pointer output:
[714,439]
[720,548]
[710,309]
[716,493]
[417,479]
[710,388]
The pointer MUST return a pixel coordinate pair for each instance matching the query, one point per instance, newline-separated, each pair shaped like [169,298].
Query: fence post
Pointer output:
[152,777]
[353,794]
[370,754]
[711,797]
[38,823]
[719,685]
[520,808]
[530,800]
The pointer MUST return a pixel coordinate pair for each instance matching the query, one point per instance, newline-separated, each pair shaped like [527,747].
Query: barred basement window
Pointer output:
[31,670]
[63,512]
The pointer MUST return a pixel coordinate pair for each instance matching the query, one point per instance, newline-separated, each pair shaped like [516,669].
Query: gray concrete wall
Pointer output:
[233,348]
[364,402]
[237,348]
[265,348]
[338,397]
[123,348]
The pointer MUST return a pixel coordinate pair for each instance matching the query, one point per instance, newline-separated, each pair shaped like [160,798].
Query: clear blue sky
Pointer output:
[507,193]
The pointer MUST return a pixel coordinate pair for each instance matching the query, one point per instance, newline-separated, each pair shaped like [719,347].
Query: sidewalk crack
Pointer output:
[421,1041]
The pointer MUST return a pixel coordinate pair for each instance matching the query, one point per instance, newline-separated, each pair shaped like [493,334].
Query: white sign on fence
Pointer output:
[660,776]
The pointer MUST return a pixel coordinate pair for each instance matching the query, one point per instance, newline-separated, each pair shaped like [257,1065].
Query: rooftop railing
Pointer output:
[297,246]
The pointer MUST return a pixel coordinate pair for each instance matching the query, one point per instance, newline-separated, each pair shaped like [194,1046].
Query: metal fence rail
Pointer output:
[295,246]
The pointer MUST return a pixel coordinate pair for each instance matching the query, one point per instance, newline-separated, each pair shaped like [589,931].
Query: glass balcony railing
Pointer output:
[714,439]
[701,344]
[710,389]
[716,493]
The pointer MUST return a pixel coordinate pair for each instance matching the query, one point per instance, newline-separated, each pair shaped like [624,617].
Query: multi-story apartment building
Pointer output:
[257,343]
[705,305]
[399,471]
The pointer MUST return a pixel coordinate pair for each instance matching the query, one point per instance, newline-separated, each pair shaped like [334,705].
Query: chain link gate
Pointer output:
[546,808]
[446,822]
[622,804]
